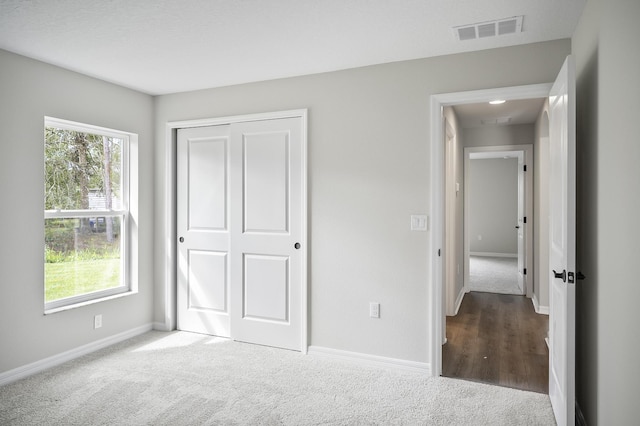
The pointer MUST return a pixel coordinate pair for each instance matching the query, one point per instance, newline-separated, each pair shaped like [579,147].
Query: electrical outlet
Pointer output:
[374,310]
[97,321]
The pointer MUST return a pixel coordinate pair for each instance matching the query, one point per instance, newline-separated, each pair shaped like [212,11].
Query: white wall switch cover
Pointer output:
[419,222]
[374,310]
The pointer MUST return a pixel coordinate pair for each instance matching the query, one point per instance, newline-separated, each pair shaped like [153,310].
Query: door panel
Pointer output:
[562,245]
[207,284]
[267,176]
[266,288]
[203,257]
[207,183]
[266,182]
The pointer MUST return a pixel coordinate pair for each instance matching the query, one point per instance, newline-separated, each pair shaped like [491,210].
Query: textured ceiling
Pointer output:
[165,46]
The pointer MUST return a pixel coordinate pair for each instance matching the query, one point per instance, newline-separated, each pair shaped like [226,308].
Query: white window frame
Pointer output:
[127,285]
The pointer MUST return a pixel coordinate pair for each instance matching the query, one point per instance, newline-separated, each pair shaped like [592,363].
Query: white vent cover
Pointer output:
[489,29]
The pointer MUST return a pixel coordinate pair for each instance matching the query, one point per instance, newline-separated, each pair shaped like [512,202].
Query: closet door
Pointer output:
[266,232]
[203,225]
[241,231]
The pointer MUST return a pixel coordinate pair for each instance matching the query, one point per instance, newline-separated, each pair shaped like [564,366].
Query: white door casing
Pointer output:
[562,243]
[521,229]
[436,165]
[244,184]
[203,229]
[450,259]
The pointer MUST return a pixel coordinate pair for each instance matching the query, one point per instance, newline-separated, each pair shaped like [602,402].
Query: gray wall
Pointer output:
[29,90]
[605,45]
[493,205]
[515,134]
[368,172]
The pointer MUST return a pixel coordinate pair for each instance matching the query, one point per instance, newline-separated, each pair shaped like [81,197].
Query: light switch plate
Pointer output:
[419,222]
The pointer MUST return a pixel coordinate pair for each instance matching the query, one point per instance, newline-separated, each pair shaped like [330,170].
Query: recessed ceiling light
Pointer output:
[497,102]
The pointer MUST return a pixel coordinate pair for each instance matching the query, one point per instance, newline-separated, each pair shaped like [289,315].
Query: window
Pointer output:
[86,213]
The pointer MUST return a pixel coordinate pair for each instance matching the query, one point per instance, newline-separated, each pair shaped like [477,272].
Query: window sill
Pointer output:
[89,302]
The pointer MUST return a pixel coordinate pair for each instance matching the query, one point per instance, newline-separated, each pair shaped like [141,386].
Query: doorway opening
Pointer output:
[498,211]
[492,311]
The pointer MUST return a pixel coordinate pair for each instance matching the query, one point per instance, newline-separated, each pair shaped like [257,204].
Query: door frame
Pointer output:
[451,300]
[170,206]
[434,262]
[527,153]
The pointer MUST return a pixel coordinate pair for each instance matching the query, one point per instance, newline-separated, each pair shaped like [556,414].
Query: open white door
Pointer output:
[562,210]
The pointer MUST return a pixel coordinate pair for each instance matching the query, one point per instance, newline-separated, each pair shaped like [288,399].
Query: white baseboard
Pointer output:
[544,310]
[366,359]
[52,361]
[160,326]
[490,254]
[463,291]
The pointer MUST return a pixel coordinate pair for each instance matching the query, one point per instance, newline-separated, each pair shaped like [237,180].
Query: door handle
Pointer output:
[562,275]
[517,226]
[181,239]
[296,246]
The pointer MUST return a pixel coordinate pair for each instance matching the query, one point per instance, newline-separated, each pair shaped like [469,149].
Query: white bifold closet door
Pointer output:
[240,227]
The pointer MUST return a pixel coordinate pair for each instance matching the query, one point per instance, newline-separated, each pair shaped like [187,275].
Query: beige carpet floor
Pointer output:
[181,378]
[494,274]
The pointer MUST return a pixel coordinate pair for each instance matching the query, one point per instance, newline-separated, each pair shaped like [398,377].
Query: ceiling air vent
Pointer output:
[489,29]
[466,33]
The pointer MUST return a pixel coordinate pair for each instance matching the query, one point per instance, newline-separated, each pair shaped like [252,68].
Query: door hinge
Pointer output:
[525,218]
[525,167]
[525,271]
[438,252]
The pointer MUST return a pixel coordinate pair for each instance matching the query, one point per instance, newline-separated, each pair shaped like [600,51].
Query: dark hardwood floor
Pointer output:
[498,339]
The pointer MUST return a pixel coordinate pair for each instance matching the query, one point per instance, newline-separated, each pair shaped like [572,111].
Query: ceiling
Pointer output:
[166,46]
[521,111]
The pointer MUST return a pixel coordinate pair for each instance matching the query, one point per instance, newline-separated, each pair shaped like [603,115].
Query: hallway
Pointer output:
[498,339]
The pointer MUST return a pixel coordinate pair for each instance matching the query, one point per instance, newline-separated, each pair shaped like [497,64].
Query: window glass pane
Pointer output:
[82,255]
[82,170]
